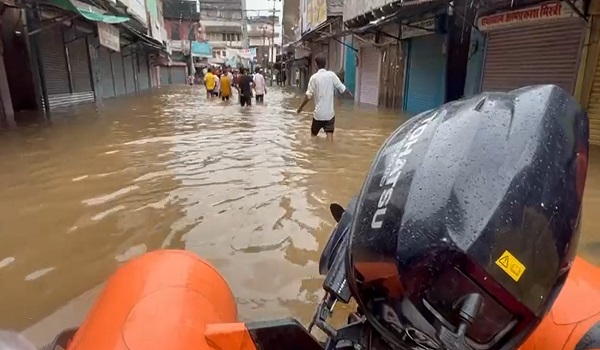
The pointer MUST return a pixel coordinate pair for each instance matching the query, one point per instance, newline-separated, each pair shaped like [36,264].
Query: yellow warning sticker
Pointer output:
[511,265]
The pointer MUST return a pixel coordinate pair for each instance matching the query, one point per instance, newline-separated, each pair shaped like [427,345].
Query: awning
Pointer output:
[88,12]
[144,38]
[318,28]
[397,11]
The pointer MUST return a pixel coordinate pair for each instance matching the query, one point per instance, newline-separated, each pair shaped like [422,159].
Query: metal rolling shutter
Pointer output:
[533,54]
[426,73]
[369,75]
[164,76]
[178,75]
[128,66]
[106,78]
[54,63]
[119,74]
[80,71]
[594,107]
[143,73]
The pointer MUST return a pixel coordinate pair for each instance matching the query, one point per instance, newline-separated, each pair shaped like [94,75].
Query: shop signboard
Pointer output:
[319,12]
[202,49]
[108,35]
[540,13]
[137,8]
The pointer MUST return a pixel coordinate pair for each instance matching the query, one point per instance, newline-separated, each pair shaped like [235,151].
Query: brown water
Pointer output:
[247,189]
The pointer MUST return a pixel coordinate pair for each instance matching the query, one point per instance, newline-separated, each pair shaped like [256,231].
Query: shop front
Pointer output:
[143,72]
[534,45]
[391,71]
[368,78]
[589,73]
[66,66]
[175,74]
[425,77]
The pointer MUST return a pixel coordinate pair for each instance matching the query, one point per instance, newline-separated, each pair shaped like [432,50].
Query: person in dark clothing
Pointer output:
[244,88]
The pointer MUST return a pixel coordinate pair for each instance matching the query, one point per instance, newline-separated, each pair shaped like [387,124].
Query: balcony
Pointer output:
[212,26]
[223,44]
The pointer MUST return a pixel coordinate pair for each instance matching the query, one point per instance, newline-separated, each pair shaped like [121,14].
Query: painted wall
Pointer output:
[475,63]
[184,26]
[350,66]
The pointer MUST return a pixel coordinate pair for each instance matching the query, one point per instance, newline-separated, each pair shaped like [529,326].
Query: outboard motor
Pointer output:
[465,229]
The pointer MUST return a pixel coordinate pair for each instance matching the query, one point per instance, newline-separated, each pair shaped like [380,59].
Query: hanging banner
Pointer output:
[108,36]
[319,12]
[539,13]
[201,49]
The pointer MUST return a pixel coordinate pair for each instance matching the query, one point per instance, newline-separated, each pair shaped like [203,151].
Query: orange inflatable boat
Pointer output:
[173,300]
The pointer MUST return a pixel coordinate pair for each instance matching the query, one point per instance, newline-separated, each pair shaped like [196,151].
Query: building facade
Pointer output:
[263,36]
[319,26]
[223,27]
[83,58]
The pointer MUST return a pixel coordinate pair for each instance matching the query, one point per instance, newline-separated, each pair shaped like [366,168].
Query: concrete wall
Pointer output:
[335,7]
[291,15]
[354,8]
[184,26]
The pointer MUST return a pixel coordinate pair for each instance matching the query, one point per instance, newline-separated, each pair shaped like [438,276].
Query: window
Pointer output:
[175,31]
[238,37]
[224,37]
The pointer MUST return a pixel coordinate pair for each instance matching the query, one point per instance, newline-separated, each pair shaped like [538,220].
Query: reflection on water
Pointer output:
[246,188]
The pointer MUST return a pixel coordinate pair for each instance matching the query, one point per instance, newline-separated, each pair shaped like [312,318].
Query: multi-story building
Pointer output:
[181,18]
[222,26]
[264,36]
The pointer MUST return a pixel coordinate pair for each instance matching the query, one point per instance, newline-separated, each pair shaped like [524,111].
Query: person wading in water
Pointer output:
[321,87]
[244,87]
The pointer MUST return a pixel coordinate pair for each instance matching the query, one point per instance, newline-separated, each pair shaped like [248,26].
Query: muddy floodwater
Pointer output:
[246,188]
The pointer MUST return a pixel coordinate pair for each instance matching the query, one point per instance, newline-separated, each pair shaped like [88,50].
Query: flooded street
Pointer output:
[247,189]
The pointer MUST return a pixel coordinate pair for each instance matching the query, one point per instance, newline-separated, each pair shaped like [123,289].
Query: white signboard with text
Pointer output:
[109,36]
[420,28]
[137,8]
[539,13]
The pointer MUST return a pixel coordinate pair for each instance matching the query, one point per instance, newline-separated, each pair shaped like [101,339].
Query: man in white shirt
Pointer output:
[321,87]
[260,86]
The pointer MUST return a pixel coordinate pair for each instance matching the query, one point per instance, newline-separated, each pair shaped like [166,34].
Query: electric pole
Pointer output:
[245,41]
[264,36]
[273,42]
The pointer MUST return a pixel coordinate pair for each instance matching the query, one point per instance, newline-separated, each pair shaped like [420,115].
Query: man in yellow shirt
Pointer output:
[210,81]
[225,86]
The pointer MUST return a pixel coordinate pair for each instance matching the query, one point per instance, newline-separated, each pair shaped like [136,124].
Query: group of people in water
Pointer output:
[220,83]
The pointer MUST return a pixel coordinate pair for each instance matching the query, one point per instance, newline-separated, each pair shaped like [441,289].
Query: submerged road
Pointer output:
[246,188]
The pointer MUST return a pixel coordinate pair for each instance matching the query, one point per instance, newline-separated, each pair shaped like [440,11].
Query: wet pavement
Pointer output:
[246,188]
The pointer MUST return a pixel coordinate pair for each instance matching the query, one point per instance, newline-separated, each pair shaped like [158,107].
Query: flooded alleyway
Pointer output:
[246,188]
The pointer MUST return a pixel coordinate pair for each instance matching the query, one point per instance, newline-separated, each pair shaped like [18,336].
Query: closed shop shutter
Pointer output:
[533,54]
[369,75]
[119,74]
[594,108]
[81,75]
[128,66]
[426,73]
[80,65]
[54,63]
[106,78]
[164,76]
[144,73]
[178,75]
